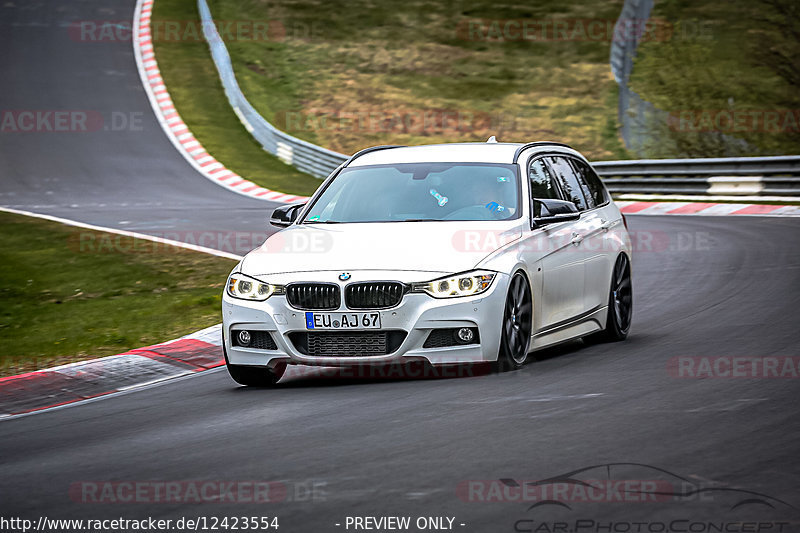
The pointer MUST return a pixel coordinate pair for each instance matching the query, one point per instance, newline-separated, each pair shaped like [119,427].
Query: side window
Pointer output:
[569,182]
[589,177]
[542,185]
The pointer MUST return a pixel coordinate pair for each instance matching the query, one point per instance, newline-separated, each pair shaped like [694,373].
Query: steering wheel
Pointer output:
[474,212]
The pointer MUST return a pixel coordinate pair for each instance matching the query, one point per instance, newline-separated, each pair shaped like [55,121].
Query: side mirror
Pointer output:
[285,215]
[548,211]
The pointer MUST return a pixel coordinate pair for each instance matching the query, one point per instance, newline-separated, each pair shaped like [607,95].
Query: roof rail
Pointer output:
[538,143]
[371,149]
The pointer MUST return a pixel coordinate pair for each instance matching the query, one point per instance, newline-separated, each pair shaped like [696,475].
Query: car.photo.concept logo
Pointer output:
[631,498]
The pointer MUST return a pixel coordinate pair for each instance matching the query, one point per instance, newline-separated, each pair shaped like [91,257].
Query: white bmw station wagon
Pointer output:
[443,254]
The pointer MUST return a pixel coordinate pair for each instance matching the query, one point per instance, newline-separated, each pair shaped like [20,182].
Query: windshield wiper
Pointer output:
[322,222]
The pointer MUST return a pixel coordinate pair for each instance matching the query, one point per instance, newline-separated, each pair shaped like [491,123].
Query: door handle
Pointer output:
[605,225]
[576,239]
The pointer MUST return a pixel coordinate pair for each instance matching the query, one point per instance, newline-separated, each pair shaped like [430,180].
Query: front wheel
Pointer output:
[515,336]
[255,376]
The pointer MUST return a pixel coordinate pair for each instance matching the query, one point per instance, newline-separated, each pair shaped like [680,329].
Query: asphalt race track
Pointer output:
[704,286]
[125,174]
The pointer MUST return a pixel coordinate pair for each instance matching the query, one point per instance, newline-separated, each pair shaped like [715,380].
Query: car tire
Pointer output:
[620,304]
[255,376]
[515,332]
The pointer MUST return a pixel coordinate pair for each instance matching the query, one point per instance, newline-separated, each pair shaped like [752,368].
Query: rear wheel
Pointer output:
[255,376]
[515,336]
[620,303]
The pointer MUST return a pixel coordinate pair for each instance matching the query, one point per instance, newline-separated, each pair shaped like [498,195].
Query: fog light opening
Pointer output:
[244,338]
[465,335]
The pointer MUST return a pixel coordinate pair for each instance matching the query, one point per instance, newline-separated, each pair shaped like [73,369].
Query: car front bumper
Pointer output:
[417,315]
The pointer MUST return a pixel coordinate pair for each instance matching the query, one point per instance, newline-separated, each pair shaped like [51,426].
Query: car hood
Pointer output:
[445,247]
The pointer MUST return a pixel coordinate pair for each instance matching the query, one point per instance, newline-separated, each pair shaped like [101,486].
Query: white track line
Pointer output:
[143,236]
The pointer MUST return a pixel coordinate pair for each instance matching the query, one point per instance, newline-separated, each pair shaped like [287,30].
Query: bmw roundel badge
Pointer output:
[344,276]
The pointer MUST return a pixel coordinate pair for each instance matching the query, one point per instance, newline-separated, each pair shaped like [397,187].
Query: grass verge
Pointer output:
[68,294]
[193,83]
[729,76]
[395,72]
[372,72]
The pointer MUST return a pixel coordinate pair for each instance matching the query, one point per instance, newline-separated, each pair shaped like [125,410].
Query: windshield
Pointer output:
[419,192]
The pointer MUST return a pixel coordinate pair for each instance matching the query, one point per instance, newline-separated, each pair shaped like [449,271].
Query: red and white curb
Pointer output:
[85,380]
[705,209]
[176,129]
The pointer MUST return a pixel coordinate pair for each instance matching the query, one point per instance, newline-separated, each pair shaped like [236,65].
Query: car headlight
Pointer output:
[247,288]
[468,284]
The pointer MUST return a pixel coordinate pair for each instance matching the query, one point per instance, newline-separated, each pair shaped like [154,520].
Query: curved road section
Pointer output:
[690,422]
[79,140]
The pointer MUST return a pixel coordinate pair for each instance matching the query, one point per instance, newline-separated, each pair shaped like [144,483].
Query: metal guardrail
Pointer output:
[735,176]
[714,186]
[775,176]
[310,158]
[632,110]
[713,166]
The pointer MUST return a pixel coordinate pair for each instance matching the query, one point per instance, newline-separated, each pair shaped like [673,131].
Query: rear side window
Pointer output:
[595,187]
[542,184]
[569,182]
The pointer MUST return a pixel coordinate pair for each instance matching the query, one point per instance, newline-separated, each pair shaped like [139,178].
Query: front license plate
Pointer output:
[343,320]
